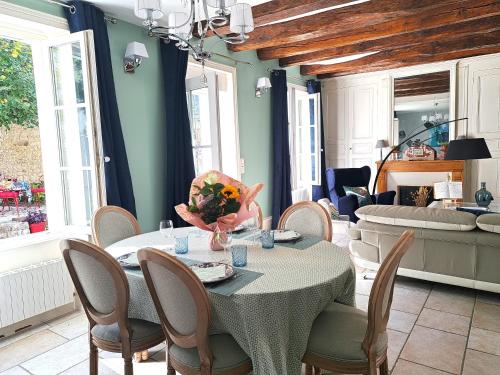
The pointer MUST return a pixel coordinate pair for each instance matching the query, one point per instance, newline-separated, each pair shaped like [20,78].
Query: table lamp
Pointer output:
[381,144]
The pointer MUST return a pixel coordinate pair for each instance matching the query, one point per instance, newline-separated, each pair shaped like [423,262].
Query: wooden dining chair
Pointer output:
[346,340]
[111,224]
[258,219]
[103,289]
[307,217]
[184,310]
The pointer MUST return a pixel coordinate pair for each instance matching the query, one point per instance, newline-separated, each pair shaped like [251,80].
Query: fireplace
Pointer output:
[420,196]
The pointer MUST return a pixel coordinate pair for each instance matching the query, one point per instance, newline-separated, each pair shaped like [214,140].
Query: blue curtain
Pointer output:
[180,163]
[119,191]
[319,191]
[282,189]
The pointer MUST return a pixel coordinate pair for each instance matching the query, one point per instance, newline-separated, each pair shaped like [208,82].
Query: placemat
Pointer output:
[228,287]
[305,242]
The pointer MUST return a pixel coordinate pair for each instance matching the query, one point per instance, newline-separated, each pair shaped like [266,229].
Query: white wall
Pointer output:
[358,110]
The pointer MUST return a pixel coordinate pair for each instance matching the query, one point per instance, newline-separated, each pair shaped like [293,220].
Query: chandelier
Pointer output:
[182,24]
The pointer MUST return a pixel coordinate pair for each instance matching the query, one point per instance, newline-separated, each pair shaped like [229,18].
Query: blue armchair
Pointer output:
[355,177]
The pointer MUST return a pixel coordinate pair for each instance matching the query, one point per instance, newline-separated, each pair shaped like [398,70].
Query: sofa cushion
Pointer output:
[489,222]
[418,217]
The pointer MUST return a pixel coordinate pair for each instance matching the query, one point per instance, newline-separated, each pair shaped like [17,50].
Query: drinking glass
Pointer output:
[267,238]
[225,238]
[181,244]
[239,254]
[166,228]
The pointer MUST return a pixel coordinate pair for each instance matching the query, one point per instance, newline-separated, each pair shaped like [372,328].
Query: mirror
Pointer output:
[420,102]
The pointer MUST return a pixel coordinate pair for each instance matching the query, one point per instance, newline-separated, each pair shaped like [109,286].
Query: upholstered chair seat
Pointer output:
[142,331]
[338,334]
[227,354]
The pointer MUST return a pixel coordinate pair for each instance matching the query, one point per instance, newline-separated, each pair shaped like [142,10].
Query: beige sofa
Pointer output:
[449,246]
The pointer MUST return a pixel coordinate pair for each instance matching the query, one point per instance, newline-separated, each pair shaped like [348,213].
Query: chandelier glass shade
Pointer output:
[182,24]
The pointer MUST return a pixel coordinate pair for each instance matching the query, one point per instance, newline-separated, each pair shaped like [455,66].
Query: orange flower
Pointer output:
[230,191]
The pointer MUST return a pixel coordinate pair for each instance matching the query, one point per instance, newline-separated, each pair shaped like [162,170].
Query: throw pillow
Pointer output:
[361,192]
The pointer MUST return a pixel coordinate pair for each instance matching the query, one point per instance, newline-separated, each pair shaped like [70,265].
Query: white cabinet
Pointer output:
[482,107]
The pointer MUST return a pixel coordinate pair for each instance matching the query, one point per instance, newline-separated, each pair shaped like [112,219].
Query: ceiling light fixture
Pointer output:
[181,25]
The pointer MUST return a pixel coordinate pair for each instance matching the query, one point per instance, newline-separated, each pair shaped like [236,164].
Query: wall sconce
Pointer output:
[133,56]
[263,85]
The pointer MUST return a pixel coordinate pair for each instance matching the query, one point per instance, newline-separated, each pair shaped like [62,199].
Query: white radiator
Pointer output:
[32,290]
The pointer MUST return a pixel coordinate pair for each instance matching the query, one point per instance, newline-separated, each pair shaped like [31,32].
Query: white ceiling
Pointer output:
[124,9]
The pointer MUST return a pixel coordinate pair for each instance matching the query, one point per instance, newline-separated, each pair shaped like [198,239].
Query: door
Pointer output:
[70,129]
[202,99]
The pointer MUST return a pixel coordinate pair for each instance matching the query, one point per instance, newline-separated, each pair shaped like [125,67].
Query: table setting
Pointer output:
[265,287]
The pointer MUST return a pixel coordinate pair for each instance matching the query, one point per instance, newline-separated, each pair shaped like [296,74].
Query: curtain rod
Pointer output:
[72,10]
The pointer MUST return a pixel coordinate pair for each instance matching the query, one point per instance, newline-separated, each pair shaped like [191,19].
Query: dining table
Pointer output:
[269,310]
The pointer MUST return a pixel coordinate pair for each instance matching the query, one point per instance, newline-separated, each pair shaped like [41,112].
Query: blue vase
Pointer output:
[483,196]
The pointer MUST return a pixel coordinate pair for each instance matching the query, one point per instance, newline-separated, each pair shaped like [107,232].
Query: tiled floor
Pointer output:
[433,330]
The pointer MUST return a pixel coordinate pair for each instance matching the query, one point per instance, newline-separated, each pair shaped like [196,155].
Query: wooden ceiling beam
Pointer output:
[322,24]
[463,28]
[449,49]
[276,10]
[422,91]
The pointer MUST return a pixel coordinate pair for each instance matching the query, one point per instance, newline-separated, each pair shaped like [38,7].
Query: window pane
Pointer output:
[67,74]
[78,196]
[202,159]
[72,131]
[200,118]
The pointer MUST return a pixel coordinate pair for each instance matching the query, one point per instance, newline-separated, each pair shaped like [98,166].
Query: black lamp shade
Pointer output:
[468,149]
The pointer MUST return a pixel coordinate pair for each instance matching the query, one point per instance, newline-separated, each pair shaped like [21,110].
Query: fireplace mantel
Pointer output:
[455,167]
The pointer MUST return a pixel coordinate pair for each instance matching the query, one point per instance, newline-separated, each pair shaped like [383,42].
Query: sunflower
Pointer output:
[230,191]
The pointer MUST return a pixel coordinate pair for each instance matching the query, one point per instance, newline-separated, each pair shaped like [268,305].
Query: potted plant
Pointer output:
[37,221]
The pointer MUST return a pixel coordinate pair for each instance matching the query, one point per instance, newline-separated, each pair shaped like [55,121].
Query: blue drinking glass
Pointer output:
[239,253]
[267,239]
[181,245]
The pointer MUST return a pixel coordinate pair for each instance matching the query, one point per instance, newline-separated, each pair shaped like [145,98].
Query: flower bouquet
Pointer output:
[218,203]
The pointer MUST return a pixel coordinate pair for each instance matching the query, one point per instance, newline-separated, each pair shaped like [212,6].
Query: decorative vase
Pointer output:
[483,196]
[214,242]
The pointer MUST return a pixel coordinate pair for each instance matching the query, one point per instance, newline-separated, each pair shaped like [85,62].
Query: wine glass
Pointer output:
[225,238]
[166,228]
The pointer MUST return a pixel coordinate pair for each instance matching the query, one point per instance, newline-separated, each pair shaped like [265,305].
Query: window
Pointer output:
[305,140]
[58,170]
[211,103]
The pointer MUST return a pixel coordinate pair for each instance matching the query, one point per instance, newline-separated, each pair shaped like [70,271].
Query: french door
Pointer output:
[68,106]
[203,107]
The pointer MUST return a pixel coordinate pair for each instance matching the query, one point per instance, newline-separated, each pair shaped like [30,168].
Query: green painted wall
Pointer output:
[140,99]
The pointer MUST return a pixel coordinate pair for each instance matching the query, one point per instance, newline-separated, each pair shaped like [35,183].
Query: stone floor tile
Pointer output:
[362,302]
[409,300]
[83,369]
[401,321]
[15,371]
[409,368]
[436,349]
[484,341]
[396,342]
[486,316]
[414,284]
[478,363]
[72,328]
[28,347]
[23,334]
[364,286]
[149,367]
[59,359]
[64,318]
[488,297]
[444,321]
[450,299]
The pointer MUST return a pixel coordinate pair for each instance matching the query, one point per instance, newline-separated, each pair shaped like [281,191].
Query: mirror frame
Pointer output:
[425,69]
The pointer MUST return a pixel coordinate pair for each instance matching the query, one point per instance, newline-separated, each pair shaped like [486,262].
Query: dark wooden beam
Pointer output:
[449,49]
[422,91]
[405,39]
[277,10]
[324,24]
[422,79]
